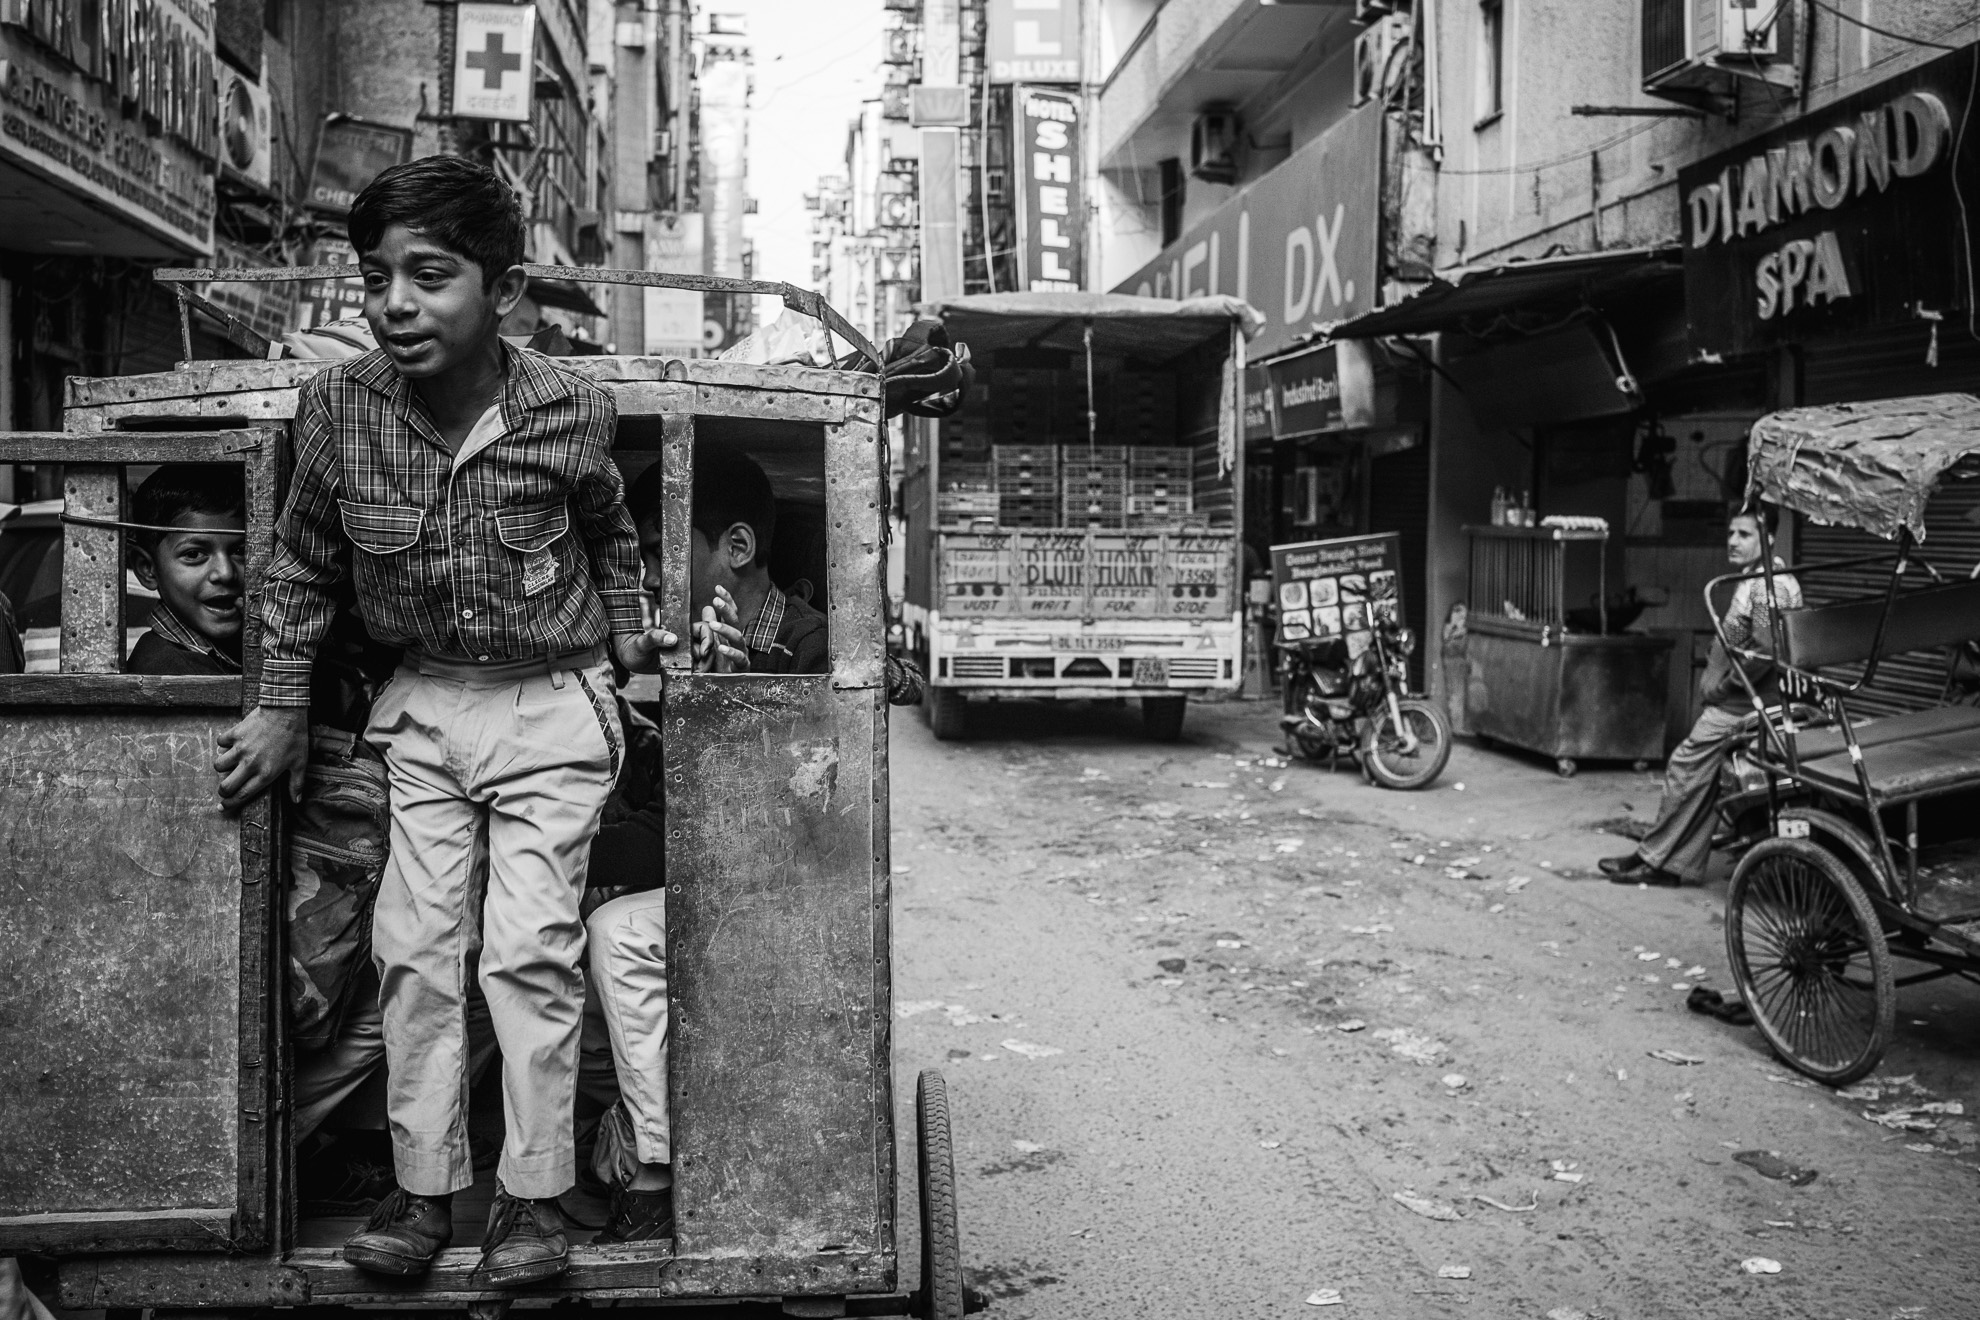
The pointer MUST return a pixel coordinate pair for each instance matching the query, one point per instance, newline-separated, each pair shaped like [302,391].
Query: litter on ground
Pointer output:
[1031,1051]
[1454,1271]
[1325,1297]
[1423,1206]
[1760,1265]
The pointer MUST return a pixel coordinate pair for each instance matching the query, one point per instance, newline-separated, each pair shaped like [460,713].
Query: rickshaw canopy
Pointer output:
[1155,329]
[1867,465]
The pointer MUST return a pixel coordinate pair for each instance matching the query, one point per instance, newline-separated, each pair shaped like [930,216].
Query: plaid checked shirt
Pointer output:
[470,557]
[177,631]
[762,632]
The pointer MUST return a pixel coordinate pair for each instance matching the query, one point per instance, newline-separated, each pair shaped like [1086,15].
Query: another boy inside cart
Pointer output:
[468,489]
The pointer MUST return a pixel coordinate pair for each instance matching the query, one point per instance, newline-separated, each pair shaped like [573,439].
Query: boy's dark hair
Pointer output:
[729,488]
[177,489]
[453,201]
[1765,516]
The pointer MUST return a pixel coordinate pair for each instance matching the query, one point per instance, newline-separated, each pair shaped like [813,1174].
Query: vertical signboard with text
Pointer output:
[494,61]
[1051,199]
[1032,41]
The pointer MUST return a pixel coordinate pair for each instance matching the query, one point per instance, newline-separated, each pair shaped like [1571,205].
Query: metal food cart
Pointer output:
[1534,682]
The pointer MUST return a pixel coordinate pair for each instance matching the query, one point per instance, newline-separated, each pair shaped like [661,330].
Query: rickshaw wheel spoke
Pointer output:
[1809,955]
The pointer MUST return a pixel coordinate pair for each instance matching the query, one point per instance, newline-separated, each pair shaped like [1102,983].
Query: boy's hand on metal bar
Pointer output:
[640,651]
[271,742]
[718,639]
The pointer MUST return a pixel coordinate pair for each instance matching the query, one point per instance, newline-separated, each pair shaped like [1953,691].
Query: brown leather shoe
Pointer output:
[639,1217]
[525,1242]
[403,1235]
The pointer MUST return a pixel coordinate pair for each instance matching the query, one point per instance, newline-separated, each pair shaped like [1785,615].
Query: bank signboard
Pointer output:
[1306,393]
[114,102]
[1300,244]
[1051,203]
[1840,220]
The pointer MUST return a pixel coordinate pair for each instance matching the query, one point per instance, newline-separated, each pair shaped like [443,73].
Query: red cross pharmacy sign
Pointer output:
[494,61]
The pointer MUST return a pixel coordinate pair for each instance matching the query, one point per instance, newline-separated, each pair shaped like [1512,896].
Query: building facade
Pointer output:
[1558,254]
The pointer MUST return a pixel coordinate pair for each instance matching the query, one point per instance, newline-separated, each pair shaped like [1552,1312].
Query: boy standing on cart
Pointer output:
[468,489]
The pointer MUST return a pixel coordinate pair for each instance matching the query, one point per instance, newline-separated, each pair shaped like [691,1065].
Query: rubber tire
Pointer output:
[941,1296]
[1869,928]
[1380,773]
[947,711]
[1162,717]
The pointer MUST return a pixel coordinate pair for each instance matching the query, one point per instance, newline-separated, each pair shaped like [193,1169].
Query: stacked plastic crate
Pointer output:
[1094,482]
[1158,485]
[967,489]
[1027,478]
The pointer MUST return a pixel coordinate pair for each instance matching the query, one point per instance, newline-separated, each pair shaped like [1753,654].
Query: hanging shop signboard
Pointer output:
[1032,41]
[1841,220]
[674,317]
[494,61]
[112,103]
[1306,393]
[349,154]
[1257,404]
[1051,201]
[1338,588]
[1300,244]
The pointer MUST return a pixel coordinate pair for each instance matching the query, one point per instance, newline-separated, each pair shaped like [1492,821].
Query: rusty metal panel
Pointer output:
[855,485]
[122,1028]
[776,945]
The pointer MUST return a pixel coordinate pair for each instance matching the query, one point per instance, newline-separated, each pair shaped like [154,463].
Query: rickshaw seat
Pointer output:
[1814,744]
[1843,632]
[1941,751]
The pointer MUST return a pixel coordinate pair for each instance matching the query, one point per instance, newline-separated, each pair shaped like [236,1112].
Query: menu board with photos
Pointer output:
[1337,588]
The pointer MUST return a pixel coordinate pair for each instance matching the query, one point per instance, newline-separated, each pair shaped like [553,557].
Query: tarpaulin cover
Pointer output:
[1154,329]
[1867,465]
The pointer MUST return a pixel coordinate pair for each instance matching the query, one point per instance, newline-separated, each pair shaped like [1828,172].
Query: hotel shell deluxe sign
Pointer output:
[1844,219]
[115,101]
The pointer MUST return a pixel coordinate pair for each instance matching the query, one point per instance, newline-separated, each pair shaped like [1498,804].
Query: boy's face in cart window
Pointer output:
[430,308]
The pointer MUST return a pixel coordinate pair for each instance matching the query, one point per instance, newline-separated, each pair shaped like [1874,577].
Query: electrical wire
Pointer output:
[1831,10]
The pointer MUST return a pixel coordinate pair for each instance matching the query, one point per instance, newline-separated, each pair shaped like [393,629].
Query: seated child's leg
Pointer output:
[424,933]
[546,755]
[628,953]
[327,1077]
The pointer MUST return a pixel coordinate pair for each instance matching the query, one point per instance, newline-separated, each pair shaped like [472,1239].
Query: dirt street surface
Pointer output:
[1227,1037]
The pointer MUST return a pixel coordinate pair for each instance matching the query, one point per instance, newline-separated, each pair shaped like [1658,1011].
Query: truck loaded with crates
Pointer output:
[1074,532]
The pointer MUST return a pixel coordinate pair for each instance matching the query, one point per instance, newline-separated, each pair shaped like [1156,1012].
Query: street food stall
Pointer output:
[1550,676]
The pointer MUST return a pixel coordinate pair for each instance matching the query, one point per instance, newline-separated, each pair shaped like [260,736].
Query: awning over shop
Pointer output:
[1549,285]
[1867,465]
[1153,329]
[565,294]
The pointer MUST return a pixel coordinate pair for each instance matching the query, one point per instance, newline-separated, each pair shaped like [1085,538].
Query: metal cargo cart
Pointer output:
[144,1132]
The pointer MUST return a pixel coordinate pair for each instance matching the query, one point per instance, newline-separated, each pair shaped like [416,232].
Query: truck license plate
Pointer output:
[1151,671]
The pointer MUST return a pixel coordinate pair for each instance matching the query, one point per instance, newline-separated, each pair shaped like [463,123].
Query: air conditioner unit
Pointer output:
[1213,145]
[1696,51]
[245,144]
[1378,65]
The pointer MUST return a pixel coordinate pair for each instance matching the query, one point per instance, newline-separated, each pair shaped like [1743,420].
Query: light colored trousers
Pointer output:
[1681,840]
[628,953]
[522,765]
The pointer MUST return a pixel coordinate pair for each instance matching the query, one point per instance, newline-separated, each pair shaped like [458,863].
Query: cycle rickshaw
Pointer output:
[1830,900]
[144,1142]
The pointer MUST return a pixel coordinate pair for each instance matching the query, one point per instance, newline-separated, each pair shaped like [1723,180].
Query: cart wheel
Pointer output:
[941,1294]
[1162,717]
[1566,766]
[946,709]
[1809,957]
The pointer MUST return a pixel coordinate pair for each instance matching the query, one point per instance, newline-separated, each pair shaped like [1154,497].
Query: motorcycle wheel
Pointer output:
[1382,747]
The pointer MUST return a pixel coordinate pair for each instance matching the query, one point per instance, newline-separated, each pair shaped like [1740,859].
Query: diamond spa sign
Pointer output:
[1840,220]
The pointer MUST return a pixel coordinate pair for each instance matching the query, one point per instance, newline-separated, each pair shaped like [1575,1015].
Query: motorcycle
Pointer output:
[1361,705]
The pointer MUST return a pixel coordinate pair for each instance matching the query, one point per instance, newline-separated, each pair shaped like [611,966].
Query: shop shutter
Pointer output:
[1893,364]
[1399,501]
